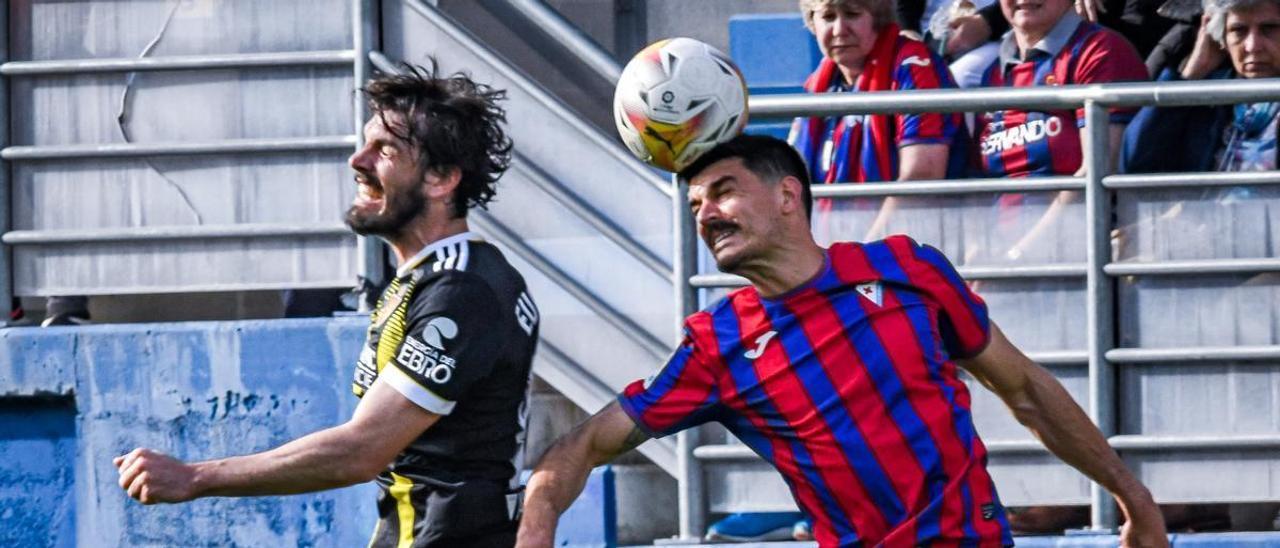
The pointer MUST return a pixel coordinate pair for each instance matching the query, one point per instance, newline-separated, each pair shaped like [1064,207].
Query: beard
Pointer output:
[398,209]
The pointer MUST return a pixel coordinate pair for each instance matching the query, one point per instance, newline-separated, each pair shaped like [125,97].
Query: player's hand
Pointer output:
[1090,9]
[1206,56]
[967,32]
[151,477]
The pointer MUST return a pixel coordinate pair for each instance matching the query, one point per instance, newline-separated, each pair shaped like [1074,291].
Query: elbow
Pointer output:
[360,471]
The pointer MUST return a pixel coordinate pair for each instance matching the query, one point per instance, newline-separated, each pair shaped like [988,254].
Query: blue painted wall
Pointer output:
[775,53]
[37,450]
[73,398]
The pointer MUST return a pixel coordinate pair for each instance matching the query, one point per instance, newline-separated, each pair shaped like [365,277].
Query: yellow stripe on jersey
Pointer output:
[393,329]
[399,491]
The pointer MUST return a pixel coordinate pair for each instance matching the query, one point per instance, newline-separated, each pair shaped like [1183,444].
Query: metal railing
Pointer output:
[365,40]
[1098,272]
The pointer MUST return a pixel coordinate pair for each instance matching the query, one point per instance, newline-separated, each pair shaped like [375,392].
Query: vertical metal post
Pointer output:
[1100,297]
[684,263]
[365,38]
[6,252]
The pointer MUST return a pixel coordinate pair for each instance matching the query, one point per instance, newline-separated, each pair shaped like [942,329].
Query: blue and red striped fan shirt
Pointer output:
[850,149]
[1019,143]
[846,385]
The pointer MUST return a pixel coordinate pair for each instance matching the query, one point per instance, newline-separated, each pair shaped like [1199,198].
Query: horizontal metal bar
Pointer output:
[1012,272]
[1202,92]
[179,62]
[1022,272]
[1197,267]
[164,233]
[1060,357]
[129,150]
[1193,354]
[1137,442]
[178,287]
[1160,181]
[1185,442]
[717,280]
[948,187]
[724,453]
[1013,447]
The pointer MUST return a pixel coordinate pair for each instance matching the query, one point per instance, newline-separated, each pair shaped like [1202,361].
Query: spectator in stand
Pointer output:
[1140,21]
[864,51]
[1050,45]
[1216,138]
[930,21]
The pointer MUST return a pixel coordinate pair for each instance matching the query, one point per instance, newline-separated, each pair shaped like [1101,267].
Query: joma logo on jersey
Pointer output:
[424,360]
[1017,136]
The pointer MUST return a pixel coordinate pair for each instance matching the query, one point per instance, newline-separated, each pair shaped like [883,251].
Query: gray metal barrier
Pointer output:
[1098,272]
[325,237]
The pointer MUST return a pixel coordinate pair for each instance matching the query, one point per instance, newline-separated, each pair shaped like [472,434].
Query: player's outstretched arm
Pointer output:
[384,424]
[1041,404]
[561,473]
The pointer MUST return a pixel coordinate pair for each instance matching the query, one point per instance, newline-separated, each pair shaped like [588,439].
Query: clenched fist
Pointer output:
[151,477]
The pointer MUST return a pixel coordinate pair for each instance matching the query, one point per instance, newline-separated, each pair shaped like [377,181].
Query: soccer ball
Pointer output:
[677,99]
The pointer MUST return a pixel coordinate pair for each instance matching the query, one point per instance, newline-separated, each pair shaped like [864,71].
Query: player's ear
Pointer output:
[440,183]
[791,192]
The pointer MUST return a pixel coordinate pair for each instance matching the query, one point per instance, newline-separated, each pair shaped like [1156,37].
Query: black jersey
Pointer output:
[454,332]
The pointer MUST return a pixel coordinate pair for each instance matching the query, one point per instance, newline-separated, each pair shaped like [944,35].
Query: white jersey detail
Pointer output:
[415,392]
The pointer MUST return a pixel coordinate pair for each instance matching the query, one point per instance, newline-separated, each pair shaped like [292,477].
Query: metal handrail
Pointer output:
[1202,266]
[179,232]
[1194,354]
[1196,180]
[1126,442]
[947,187]
[1033,98]
[182,148]
[500,233]
[591,216]
[1098,271]
[565,36]
[179,62]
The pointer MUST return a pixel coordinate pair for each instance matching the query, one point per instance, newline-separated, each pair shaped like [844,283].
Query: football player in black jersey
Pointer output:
[445,371]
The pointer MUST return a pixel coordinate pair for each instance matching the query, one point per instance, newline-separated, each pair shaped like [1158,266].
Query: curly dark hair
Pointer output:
[452,121]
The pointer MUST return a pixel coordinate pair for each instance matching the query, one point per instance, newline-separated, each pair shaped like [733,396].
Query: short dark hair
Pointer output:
[769,158]
[452,121]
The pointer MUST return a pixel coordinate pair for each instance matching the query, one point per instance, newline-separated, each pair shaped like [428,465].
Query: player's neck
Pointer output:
[788,267]
[423,232]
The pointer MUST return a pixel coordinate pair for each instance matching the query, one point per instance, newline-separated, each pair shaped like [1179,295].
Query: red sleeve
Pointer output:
[682,394]
[1108,57]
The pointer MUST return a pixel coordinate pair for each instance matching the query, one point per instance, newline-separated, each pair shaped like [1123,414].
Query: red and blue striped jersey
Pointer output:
[850,149]
[846,385]
[1018,143]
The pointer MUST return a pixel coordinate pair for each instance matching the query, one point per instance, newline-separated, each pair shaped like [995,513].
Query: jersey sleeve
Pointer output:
[1108,57]
[451,341]
[962,315]
[919,68]
[681,395]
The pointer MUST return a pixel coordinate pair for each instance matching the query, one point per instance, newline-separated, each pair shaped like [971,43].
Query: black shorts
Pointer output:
[471,513]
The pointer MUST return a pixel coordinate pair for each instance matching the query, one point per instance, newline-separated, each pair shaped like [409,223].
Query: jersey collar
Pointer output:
[1051,44]
[431,249]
